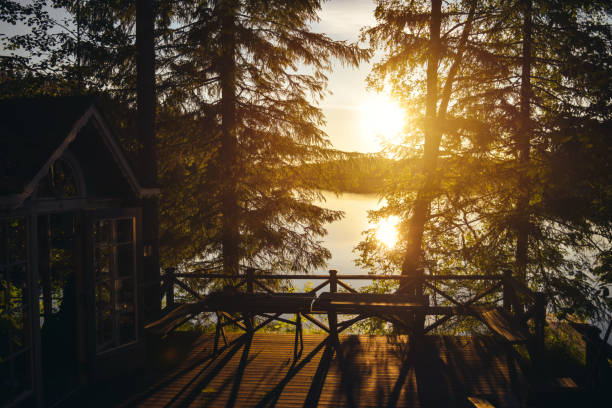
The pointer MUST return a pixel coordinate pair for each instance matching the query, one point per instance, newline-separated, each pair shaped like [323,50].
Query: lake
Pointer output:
[345,234]
[342,236]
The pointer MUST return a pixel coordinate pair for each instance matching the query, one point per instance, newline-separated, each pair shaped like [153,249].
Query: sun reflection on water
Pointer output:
[386,231]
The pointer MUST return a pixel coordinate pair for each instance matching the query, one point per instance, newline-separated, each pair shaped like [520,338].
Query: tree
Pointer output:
[529,97]
[536,101]
[236,81]
[238,69]
[412,37]
[71,46]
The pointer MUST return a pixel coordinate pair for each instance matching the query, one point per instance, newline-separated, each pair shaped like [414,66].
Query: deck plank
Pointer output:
[377,371]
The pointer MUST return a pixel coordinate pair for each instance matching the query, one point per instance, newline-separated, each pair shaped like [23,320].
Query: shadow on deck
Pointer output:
[377,371]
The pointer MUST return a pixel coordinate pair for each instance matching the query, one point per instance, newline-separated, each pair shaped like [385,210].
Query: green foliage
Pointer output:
[279,72]
[475,189]
[256,189]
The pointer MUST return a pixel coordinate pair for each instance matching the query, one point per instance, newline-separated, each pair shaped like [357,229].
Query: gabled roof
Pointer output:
[34,133]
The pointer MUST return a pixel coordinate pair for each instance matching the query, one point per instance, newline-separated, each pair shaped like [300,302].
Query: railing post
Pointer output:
[170,287]
[333,280]
[248,317]
[507,290]
[250,279]
[419,317]
[332,315]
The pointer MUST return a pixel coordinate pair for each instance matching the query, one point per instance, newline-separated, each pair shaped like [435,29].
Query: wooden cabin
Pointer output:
[73,290]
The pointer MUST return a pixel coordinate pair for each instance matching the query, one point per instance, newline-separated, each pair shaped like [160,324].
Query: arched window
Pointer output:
[63,180]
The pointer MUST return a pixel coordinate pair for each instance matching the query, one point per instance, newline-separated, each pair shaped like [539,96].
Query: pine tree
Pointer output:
[237,66]
[530,95]
[236,83]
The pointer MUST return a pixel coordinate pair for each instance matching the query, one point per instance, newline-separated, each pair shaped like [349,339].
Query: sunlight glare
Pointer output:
[386,231]
[383,117]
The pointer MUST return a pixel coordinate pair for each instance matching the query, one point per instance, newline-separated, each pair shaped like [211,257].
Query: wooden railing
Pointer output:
[519,304]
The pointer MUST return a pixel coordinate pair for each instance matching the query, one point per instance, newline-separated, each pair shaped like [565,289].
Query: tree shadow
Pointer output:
[271,398]
[196,387]
[372,371]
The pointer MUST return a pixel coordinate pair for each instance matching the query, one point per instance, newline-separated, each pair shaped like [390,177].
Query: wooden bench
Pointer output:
[261,302]
[357,303]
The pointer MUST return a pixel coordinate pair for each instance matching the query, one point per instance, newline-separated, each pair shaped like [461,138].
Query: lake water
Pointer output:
[345,234]
[342,236]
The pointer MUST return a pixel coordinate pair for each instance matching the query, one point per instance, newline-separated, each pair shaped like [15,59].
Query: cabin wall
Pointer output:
[24,261]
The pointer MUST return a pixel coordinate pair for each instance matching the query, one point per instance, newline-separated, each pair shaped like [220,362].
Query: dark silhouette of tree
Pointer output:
[247,71]
[411,35]
[529,96]
[236,84]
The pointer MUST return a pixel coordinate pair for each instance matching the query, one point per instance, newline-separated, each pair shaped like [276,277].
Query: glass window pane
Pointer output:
[125,308]
[102,256]
[125,260]
[125,296]
[127,328]
[104,313]
[125,230]
[102,231]
[17,337]
[3,243]
[115,289]
[16,240]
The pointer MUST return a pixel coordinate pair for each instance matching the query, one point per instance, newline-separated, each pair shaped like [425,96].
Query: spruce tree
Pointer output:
[249,71]
[530,96]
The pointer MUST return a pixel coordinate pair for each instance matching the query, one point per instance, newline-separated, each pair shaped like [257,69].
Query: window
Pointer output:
[114,268]
[63,179]
[15,330]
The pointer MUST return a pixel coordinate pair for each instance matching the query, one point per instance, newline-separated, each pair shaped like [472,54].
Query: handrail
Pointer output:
[417,283]
[343,276]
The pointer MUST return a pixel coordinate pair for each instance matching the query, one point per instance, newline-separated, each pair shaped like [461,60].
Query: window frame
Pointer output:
[113,216]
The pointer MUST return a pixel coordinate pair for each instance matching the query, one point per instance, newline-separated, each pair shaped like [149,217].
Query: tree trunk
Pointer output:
[146,101]
[523,147]
[433,133]
[421,208]
[230,238]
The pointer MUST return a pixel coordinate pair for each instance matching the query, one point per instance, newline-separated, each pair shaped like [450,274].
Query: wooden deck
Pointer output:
[377,371]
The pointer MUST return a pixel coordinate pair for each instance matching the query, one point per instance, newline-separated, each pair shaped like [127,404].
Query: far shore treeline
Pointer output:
[357,173]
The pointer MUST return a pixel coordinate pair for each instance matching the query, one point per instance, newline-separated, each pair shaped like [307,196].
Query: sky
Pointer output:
[354,113]
[356,118]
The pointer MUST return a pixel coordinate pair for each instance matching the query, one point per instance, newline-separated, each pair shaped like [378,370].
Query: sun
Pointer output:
[383,117]
[386,231]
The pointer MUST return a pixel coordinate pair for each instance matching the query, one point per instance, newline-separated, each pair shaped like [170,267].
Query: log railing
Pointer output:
[519,304]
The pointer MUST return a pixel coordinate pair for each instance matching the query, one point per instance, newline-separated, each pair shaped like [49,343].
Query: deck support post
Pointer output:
[298,338]
[219,332]
[419,317]
[332,316]
[540,321]
[250,283]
